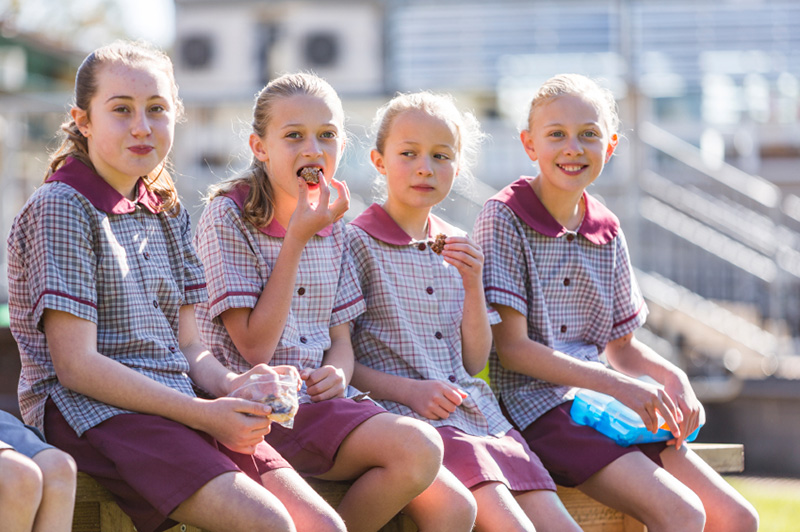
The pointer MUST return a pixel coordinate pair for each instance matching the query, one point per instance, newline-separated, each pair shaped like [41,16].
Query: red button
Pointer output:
[438,335]
[155,304]
[301,291]
[429,289]
[563,328]
[421,246]
[566,282]
[452,378]
[303,339]
[146,255]
[570,237]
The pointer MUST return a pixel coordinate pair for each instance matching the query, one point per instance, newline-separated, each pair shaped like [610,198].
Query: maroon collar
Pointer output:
[599,225]
[239,196]
[377,223]
[103,196]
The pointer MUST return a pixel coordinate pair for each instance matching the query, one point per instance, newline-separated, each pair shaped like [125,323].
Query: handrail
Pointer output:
[755,187]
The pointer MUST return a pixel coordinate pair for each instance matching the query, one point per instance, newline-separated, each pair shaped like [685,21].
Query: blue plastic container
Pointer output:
[612,418]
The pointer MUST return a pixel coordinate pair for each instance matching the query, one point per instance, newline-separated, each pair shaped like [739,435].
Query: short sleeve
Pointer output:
[194,280]
[630,309]
[235,275]
[349,301]
[498,234]
[55,243]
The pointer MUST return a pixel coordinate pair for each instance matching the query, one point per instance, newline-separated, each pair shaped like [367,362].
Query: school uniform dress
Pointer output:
[238,260]
[412,329]
[79,246]
[578,292]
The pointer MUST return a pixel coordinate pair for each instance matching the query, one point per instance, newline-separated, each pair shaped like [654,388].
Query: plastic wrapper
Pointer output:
[279,392]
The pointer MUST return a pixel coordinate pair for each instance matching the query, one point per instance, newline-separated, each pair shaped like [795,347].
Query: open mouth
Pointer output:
[311,174]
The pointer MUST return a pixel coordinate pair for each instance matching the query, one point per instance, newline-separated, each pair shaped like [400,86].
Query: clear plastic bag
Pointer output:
[279,392]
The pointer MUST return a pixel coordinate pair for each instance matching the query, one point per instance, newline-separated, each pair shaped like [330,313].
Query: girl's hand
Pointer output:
[238,424]
[648,400]
[259,369]
[307,219]
[467,257]
[435,399]
[689,407]
[326,382]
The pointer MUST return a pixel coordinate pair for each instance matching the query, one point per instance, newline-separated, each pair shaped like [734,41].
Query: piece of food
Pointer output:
[438,245]
[284,406]
[310,174]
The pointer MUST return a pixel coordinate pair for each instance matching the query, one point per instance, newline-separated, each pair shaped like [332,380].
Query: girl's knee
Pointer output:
[20,478]
[57,467]
[420,446]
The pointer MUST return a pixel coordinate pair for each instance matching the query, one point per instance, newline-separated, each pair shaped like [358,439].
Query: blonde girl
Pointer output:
[426,332]
[283,291]
[558,272]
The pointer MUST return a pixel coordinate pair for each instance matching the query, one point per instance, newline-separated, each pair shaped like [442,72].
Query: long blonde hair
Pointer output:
[75,145]
[259,207]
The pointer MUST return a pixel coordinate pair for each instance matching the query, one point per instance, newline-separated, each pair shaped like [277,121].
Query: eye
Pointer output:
[557,134]
[407,153]
[157,108]
[591,134]
[329,135]
[442,156]
[293,135]
[120,109]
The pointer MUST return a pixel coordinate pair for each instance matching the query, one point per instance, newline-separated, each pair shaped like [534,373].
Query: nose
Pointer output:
[573,146]
[425,167]
[141,125]
[312,148]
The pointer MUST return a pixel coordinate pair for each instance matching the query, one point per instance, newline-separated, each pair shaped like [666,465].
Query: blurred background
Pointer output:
[706,179]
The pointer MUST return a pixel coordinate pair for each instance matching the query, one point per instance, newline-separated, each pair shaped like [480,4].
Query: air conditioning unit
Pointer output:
[215,51]
[341,42]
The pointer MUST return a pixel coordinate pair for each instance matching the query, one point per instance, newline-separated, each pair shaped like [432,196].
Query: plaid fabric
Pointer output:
[577,290]
[78,246]
[238,259]
[412,325]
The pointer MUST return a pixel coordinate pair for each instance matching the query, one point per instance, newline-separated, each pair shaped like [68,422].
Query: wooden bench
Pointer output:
[96,511]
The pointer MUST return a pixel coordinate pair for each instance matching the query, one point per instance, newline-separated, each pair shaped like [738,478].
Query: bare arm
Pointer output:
[256,332]
[476,334]
[519,353]
[80,367]
[629,355]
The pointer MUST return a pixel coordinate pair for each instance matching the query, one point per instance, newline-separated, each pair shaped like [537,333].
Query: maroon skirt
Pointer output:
[507,459]
[571,452]
[151,464]
[319,429]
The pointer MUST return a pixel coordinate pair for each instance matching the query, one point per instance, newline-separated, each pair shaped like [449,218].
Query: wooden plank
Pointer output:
[96,511]
[723,457]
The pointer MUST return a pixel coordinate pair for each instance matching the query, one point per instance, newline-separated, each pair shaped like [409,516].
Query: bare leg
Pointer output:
[20,491]
[546,511]
[58,494]
[392,459]
[308,509]
[498,511]
[445,506]
[634,485]
[233,502]
[726,510]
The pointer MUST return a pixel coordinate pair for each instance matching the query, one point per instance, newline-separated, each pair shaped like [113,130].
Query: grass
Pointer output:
[776,500]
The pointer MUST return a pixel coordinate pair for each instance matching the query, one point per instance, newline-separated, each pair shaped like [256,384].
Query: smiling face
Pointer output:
[303,131]
[130,122]
[569,139]
[419,160]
